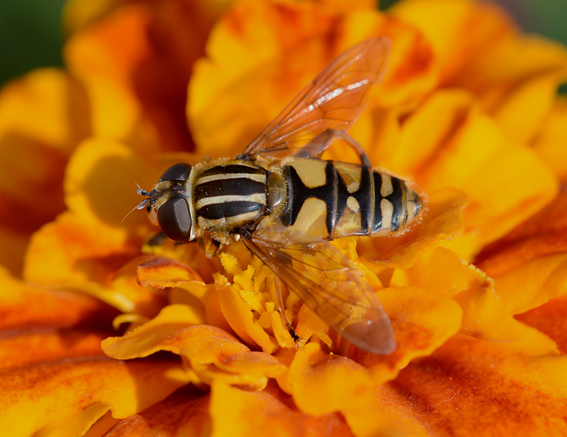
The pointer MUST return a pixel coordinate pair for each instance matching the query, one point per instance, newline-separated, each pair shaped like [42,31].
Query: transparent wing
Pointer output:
[333,101]
[328,282]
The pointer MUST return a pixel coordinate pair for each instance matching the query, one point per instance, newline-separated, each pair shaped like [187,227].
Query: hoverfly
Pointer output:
[285,203]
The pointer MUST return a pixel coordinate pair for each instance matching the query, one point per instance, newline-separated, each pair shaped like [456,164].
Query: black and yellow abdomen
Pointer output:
[335,199]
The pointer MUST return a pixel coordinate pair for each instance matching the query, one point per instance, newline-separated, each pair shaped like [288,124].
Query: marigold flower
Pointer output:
[106,335]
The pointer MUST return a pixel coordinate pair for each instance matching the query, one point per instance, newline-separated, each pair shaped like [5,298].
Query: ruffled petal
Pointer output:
[183,413]
[42,117]
[261,54]
[442,221]
[504,181]
[470,387]
[551,139]
[422,322]
[92,258]
[212,353]
[55,392]
[135,63]
[236,412]
[23,306]
[514,76]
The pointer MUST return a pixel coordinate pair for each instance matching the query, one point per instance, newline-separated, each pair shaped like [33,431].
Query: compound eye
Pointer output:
[176,173]
[174,219]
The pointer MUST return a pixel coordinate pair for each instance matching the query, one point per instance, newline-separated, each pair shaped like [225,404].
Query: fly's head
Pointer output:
[168,203]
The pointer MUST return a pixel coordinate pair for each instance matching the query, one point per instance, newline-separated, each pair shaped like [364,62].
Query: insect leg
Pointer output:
[281,308]
[157,240]
[341,134]
[316,147]
[210,246]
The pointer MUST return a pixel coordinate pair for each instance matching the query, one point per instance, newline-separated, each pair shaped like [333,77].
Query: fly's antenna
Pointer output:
[140,191]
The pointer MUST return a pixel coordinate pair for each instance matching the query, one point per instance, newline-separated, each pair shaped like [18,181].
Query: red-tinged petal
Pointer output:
[32,346]
[92,258]
[470,387]
[68,397]
[161,272]
[422,322]
[551,319]
[239,413]
[543,234]
[183,413]
[23,306]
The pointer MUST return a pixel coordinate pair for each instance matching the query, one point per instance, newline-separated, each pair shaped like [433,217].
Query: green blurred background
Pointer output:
[30,33]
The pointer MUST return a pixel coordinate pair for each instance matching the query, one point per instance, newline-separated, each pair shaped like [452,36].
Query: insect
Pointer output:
[286,204]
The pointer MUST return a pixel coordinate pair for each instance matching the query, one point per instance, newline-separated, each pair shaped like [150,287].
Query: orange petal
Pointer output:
[505,182]
[486,314]
[160,272]
[231,414]
[93,258]
[42,116]
[101,425]
[533,283]
[241,319]
[23,306]
[100,183]
[470,387]
[30,347]
[422,322]
[443,220]
[183,413]
[72,249]
[404,147]
[551,319]
[515,76]
[260,55]
[466,29]
[551,140]
[135,63]
[383,414]
[543,234]
[213,354]
[323,383]
[68,397]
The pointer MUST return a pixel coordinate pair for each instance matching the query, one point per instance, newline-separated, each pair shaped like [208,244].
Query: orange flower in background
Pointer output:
[104,335]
